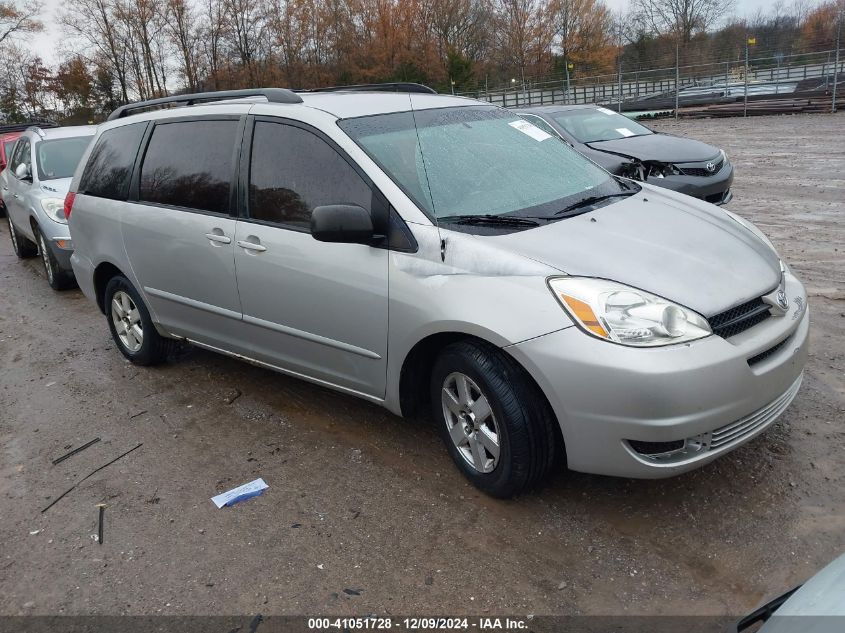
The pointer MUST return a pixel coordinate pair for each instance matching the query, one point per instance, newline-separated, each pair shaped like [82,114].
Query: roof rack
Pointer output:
[402,86]
[23,127]
[273,95]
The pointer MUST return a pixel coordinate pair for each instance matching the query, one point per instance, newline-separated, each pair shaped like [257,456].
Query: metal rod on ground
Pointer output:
[102,507]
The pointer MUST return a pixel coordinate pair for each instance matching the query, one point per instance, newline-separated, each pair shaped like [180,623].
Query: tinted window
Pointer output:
[293,171]
[190,164]
[109,167]
[58,158]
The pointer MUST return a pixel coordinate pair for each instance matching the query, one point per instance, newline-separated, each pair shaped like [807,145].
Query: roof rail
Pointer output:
[273,95]
[401,86]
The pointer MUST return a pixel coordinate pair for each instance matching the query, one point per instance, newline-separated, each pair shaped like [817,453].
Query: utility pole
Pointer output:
[836,63]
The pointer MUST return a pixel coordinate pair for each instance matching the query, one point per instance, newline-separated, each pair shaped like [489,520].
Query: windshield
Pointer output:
[478,161]
[589,125]
[8,146]
[59,157]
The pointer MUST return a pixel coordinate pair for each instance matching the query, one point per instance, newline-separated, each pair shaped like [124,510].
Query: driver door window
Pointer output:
[23,156]
[293,170]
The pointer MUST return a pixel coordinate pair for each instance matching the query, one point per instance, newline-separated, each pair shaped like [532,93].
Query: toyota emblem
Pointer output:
[710,167]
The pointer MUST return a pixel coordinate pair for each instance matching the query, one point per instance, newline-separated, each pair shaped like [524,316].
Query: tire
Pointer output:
[520,422]
[152,349]
[24,249]
[58,278]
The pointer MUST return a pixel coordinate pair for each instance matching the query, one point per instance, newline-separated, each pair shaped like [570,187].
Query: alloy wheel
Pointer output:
[470,422]
[45,256]
[13,235]
[127,321]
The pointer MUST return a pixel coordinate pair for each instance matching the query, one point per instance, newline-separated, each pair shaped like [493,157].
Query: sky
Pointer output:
[46,43]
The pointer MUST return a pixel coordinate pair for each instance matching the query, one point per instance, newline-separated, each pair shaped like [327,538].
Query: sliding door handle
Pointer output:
[220,239]
[252,246]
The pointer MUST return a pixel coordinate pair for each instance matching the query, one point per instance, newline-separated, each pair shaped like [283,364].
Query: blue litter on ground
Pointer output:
[252,489]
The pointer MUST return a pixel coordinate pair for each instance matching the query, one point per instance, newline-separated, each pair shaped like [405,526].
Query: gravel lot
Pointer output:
[365,501]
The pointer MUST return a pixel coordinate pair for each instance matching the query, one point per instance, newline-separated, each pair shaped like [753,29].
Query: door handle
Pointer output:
[220,239]
[252,246]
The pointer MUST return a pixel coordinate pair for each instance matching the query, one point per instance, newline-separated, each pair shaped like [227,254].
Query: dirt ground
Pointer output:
[364,501]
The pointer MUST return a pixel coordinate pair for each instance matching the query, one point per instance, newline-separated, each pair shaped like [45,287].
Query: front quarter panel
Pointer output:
[477,289]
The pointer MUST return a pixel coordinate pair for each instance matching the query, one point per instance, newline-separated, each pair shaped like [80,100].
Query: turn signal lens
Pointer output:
[585,314]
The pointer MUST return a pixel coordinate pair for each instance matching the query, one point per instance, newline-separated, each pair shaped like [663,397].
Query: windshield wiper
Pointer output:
[591,200]
[490,219]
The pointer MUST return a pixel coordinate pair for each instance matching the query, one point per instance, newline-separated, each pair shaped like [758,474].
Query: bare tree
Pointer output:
[18,18]
[682,17]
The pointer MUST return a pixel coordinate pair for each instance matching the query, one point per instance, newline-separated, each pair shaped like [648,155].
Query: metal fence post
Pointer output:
[619,102]
[677,75]
[745,95]
[836,63]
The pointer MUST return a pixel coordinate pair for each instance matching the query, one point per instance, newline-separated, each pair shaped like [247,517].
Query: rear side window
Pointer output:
[293,170]
[190,164]
[109,168]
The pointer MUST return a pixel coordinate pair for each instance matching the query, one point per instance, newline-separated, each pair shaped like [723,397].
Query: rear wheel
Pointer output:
[23,247]
[493,419]
[131,326]
[57,278]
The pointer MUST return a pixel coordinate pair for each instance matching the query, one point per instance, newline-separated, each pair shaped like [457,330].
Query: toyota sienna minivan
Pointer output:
[440,255]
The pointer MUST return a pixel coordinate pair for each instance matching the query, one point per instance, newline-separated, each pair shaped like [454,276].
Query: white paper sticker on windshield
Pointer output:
[531,130]
[624,131]
[605,110]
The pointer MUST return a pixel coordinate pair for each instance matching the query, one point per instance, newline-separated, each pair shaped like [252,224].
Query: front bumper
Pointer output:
[715,188]
[606,395]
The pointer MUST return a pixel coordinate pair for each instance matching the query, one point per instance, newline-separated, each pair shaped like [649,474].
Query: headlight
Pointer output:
[55,208]
[614,312]
[753,229]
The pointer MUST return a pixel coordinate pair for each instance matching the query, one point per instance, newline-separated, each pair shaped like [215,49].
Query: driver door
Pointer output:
[14,188]
[314,308]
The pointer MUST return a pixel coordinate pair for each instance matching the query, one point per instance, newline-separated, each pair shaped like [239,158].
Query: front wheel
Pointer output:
[22,246]
[493,419]
[131,326]
[57,278]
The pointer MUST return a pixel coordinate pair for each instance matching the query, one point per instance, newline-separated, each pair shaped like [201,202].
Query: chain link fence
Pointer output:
[781,77]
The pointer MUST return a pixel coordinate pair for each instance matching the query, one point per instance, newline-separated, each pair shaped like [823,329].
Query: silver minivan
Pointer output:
[441,256]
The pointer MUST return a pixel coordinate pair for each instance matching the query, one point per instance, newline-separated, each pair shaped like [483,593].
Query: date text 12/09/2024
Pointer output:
[418,624]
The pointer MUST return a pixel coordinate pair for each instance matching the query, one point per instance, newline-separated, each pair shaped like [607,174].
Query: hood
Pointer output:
[59,186]
[659,147]
[684,250]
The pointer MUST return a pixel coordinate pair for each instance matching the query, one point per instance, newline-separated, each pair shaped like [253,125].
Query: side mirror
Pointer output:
[344,223]
[22,172]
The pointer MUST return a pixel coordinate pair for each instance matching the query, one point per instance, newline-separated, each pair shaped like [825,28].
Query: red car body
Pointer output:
[7,141]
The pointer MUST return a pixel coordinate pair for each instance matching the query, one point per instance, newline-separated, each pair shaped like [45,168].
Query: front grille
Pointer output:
[701,171]
[759,358]
[739,318]
[747,425]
